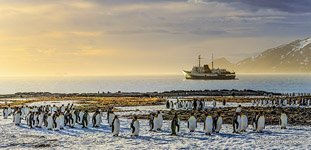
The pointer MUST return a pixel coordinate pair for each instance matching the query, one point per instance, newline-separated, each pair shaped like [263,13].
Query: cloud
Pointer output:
[290,6]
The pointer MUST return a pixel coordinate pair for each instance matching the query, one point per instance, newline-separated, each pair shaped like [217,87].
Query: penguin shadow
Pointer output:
[298,129]
[147,138]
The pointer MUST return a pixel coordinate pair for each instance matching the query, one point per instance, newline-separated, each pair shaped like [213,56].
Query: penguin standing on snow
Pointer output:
[73,120]
[244,123]
[135,126]
[40,119]
[151,122]
[17,117]
[217,122]
[208,124]
[160,120]
[5,113]
[81,114]
[111,117]
[96,119]
[175,125]
[115,126]
[283,120]
[61,120]
[254,120]
[260,122]
[192,123]
[57,121]
[235,122]
[49,121]
[85,119]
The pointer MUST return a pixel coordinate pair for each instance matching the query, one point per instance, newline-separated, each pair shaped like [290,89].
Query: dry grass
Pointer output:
[92,103]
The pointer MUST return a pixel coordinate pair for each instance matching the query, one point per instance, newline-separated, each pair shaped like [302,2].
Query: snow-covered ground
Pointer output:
[14,137]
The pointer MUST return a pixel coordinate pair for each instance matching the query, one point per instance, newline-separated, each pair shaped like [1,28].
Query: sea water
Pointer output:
[284,83]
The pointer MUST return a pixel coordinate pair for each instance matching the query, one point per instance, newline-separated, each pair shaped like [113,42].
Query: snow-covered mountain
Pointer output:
[292,57]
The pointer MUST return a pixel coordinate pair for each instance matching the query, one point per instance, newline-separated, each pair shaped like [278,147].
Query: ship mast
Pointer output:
[200,60]
[212,61]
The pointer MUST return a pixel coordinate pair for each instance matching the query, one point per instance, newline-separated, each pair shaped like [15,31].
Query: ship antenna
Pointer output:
[200,60]
[212,61]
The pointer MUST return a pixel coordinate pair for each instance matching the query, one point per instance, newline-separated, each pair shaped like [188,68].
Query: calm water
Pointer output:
[274,83]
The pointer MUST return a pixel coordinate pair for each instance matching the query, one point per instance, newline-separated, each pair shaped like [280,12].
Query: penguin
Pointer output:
[236,122]
[260,122]
[151,122]
[244,123]
[61,120]
[115,126]
[110,118]
[35,118]
[135,126]
[85,119]
[97,119]
[192,123]
[283,120]
[81,114]
[208,125]
[218,122]
[17,118]
[254,120]
[57,121]
[5,113]
[31,119]
[40,119]
[175,125]
[77,112]
[49,121]
[73,117]
[156,122]
[160,120]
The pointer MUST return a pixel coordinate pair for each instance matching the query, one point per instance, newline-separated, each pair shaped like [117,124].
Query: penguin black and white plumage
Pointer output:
[85,119]
[40,119]
[17,118]
[96,119]
[73,117]
[135,126]
[81,114]
[160,120]
[218,123]
[192,123]
[61,120]
[236,122]
[175,125]
[110,118]
[151,122]
[156,122]
[260,123]
[244,123]
[5,113]
[50,122]
[115,126]
[254,121]
[208,125]
[214,103]
[283,120]
[57,122]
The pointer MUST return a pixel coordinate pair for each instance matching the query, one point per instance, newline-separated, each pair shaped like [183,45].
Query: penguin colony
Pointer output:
[201,104]
[56,118]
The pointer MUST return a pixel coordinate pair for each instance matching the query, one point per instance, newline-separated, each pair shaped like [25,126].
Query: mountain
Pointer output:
[294,57]
[289,58]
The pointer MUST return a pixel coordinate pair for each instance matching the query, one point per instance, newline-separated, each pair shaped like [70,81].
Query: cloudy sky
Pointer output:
[128,37]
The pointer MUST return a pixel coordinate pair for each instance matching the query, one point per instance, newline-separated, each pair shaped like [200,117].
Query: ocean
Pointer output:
[283,83]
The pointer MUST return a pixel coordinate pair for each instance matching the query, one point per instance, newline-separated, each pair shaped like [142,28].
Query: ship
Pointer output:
[206,73]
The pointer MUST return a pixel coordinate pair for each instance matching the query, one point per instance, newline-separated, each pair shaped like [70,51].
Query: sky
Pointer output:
[139,37]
